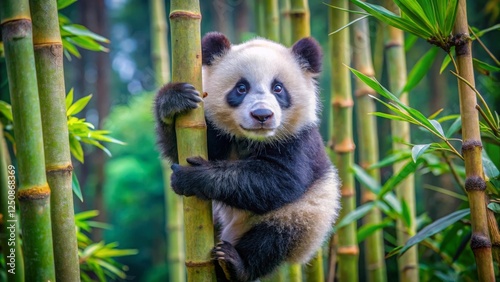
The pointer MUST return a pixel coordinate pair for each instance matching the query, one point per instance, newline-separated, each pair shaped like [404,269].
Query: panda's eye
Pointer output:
[241,88]
[277,88]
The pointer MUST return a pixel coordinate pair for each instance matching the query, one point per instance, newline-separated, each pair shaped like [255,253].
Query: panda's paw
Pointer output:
[175,98]
[230,261]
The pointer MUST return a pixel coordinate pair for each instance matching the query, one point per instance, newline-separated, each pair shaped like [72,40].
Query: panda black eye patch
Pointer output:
[281,94]
[235,97]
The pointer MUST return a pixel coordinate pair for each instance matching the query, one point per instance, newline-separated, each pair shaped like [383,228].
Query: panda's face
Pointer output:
[258,90]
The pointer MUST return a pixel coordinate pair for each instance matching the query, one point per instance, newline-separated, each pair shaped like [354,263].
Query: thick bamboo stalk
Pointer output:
[405,191]
[33,192]
[271,20]
[314,271]
[471,148]
[50,76]
[173,202]
[368,146]
[191,132]
[11,245]
[301,23]
[285,23]
[342,141]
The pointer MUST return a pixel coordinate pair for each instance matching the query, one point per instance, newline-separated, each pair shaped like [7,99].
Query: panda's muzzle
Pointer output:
[261,115]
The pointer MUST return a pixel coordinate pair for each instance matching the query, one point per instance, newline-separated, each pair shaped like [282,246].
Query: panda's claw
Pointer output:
[230,261]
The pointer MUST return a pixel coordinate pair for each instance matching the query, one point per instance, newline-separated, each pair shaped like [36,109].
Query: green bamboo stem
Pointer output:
[259,17]
[173,202]
[50,76]
[11,245]
[405,191]
[301,22]
[271,20]
[471,149]
[33,191]
[191,132]
[314,269]
[295,272]
[285,23]
[342,141]
[368,146]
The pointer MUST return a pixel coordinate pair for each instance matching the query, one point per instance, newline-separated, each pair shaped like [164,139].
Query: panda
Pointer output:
[274,190]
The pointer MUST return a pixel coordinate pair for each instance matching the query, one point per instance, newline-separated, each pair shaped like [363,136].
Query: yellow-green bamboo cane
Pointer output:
[368,146]
[33,191]
[173,202]
[11,245]
[50,76]
[342,141]
[285,23]
[471,148]
[271,20]
[405,191]
[191,133]
[301,22]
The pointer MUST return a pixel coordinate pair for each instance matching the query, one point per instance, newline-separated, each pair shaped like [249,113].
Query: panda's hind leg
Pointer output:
[258,253]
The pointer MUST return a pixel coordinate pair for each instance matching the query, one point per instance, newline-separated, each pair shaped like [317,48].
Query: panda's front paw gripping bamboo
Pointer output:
[176,98]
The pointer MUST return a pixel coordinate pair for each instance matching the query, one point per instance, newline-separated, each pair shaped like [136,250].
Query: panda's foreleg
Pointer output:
[172,99]
[258,253]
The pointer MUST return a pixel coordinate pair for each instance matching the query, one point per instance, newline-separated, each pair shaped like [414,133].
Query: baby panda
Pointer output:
[274,191]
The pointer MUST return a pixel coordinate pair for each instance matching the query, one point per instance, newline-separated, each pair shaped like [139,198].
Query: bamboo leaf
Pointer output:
[81,216]
[446,61]
[410,40]
[6,110]
[435,227]
[420,69]
[451,14]
[75,148]
[390,159]
[455,126]
[69,99]
[495,207]
[394,252]
[368,229]
[391,117]
[76,187]
[406,214]
[414,11]
[418,150]
[490,169]
[365,179]
[61,4]
[82,31]
[484,68]
[78,105]
[356,214]
[437,126]
[399,176]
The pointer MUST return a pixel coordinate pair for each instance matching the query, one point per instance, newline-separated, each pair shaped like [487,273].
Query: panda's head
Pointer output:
[260,89]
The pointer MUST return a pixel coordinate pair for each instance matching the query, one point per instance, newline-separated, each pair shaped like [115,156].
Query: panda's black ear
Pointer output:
[308,53]
[213,44]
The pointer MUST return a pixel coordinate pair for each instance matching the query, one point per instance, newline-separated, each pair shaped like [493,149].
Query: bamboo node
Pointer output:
[59,168]
[184,14]
[475,183]
[343,103]
[34,193]
[363,91]
[471,144]
[348,250]
[190,263]
[347,192]
[479,241]
[345,146]
[16,29]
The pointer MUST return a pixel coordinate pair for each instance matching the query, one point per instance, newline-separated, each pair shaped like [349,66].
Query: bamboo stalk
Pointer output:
[300,15]
[342,141]
[471,149]
[405,191]
[191,132]
[173,202]
[271,20]
[314,269]
[33,192]
[368,146]
[50,76]
[295,272]
[11,244]
[285,23]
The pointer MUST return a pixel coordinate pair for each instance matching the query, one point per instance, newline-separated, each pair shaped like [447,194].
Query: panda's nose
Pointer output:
[262,115]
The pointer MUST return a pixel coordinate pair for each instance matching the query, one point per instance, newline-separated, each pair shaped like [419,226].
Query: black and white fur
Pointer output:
[274,190]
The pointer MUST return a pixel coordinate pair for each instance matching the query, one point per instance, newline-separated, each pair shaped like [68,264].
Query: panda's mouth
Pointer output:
[258,130]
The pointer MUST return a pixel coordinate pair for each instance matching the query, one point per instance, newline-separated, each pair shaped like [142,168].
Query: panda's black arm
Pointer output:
[259,186]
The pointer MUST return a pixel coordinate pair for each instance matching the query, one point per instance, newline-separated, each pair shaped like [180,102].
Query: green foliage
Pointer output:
[430,20]
[81,131]
[98,259]
[75,35]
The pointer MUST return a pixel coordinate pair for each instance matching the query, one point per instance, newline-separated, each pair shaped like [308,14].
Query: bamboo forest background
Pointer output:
[127,188]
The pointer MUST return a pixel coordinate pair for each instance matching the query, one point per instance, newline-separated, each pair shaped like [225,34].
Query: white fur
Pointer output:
[260,61]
